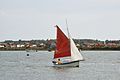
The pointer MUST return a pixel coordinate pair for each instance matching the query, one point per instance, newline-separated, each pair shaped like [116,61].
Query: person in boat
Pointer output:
[59,62]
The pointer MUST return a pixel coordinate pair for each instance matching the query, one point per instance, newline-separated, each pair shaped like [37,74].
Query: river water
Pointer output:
[98,65]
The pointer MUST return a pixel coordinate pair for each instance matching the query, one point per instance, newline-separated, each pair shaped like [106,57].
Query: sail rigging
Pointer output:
[65,47]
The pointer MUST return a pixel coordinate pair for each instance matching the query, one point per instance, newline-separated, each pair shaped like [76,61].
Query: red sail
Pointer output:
[62,45]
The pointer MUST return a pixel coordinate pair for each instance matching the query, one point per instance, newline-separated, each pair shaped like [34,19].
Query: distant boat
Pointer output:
[66,48]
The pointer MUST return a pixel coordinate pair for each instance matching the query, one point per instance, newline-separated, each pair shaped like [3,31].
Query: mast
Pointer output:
[67,29]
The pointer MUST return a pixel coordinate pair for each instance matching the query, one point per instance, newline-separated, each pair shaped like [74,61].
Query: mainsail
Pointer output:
[62,45]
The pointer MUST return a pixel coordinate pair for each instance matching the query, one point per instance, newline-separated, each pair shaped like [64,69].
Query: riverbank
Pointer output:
[53,50]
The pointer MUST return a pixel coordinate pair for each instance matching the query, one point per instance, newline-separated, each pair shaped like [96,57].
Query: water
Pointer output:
[98,65]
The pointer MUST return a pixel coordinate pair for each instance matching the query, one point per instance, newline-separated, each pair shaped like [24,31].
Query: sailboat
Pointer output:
[66,49]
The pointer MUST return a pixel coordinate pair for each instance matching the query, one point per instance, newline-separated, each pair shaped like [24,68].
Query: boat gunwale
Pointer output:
[67,62]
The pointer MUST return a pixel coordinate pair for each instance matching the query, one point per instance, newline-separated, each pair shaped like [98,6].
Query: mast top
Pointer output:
[67,29]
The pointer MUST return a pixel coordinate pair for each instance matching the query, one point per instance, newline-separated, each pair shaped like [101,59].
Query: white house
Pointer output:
[2,45]
[20,45]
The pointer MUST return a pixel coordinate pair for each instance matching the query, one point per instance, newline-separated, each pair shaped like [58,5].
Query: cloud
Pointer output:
[3,13]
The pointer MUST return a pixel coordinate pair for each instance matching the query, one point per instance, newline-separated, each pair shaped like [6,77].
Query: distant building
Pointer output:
[20,45]
[13,45]
[33,45]
[2,45]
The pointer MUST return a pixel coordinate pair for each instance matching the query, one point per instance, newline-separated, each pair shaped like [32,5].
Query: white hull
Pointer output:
[69,64]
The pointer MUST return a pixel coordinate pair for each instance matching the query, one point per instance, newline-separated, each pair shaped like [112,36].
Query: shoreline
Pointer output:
[53,50]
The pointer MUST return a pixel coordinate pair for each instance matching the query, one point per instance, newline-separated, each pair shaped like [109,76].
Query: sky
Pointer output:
[35,19]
